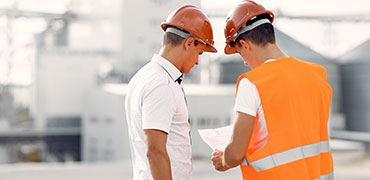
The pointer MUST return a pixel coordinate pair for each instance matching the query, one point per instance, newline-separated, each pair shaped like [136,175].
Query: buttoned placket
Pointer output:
[179,80]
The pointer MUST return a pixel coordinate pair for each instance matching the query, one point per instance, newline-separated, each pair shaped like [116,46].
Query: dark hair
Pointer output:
[174,39]
[261,35]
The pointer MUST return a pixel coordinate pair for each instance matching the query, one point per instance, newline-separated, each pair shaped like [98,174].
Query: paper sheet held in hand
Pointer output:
[217,138]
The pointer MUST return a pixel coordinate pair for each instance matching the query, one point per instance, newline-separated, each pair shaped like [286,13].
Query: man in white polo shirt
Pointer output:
[156,108]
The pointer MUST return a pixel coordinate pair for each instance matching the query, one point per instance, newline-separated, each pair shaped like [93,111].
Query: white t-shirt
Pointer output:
[248,102]
[155,101]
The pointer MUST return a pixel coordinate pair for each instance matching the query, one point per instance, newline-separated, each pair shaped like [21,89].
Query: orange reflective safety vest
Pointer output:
[295,98]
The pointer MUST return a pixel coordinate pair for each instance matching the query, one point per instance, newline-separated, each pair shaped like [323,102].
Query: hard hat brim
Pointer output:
[229,50]
[210,48]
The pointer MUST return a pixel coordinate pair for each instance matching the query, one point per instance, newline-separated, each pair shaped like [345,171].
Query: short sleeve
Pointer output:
[247,98]
[158,108]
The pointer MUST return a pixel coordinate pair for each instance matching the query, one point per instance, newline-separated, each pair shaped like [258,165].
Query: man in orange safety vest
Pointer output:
[282,106]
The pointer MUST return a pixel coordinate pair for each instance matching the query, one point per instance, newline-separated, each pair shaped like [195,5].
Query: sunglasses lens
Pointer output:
[232,43]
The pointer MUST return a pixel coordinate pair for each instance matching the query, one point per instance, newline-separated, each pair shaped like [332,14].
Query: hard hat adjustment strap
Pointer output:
[178,32]
[246,28]
[183,34]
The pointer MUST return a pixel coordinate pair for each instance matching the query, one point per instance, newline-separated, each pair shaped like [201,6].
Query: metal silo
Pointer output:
[296,49]
[356,87]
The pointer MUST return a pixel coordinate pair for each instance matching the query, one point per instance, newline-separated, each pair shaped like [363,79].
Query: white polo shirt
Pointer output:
[248,102]
[155,101]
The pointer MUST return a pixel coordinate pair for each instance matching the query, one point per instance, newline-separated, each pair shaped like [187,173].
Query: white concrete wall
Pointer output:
[141,32]
[104,134]
[62,81]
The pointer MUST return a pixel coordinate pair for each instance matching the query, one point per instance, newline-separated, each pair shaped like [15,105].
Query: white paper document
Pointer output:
[217,138]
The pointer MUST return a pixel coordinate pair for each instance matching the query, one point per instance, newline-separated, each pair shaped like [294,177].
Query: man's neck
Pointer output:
[270,51]
[172,54]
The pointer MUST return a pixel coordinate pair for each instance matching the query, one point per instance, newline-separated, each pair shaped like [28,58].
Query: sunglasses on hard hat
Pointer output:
[232,43]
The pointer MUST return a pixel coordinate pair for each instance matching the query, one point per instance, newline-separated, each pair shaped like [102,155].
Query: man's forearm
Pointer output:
[231,159]
[160,165]
[243,129]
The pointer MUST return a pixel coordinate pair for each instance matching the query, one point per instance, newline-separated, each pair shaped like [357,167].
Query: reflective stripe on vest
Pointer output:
[326,177]
[289,156]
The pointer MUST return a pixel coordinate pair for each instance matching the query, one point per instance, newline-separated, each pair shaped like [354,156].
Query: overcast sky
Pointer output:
[302,7]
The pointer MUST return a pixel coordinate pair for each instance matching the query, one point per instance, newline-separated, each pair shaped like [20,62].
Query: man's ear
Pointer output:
[246,44]
[188,42]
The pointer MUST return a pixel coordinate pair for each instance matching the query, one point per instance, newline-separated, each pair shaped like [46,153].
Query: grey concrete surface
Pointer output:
[351,163]
[202,170]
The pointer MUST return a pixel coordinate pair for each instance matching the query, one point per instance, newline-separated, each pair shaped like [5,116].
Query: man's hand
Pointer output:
[218,161]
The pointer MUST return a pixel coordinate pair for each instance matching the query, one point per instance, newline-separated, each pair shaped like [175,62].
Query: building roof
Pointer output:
[358,54]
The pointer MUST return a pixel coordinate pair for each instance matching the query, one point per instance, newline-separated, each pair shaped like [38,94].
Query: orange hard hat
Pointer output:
[191,19]
[239,16]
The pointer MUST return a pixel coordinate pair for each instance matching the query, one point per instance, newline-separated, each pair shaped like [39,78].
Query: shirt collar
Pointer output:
[167,65]
[269,60]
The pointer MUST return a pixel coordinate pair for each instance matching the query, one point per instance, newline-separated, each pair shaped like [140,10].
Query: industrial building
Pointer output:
[81,57]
